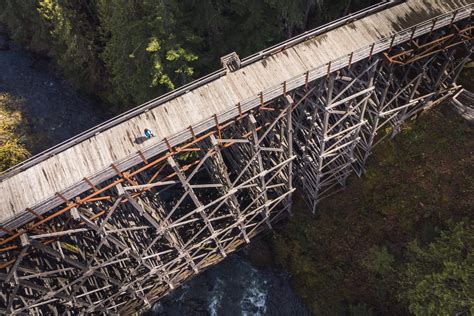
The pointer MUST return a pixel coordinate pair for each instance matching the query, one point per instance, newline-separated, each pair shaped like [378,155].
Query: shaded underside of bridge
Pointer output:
[107,222]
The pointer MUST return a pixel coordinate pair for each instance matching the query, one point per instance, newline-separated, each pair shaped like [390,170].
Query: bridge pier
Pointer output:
[329,121]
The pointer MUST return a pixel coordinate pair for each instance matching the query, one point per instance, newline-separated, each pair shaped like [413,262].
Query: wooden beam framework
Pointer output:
[128,241]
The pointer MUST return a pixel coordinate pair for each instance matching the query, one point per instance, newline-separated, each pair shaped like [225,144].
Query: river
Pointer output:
[233,287]
[56,110]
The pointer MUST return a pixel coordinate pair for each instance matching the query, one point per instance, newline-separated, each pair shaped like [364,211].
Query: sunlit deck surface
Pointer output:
[36,186]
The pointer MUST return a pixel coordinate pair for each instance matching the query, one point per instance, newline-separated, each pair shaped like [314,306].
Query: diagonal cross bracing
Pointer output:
[130,238]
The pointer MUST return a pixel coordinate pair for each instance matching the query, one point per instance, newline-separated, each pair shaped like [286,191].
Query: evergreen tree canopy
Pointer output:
[439,277]
[127,52]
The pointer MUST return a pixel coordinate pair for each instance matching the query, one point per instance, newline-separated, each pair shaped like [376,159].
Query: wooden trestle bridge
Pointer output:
[109,223]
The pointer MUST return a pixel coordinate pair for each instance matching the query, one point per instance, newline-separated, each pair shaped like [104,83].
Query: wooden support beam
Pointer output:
[95,254]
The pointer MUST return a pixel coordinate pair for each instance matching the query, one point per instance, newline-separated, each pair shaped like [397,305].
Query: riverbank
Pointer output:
[53,111]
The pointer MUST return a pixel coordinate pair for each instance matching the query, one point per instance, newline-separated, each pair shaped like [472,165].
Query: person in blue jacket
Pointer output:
[148,133]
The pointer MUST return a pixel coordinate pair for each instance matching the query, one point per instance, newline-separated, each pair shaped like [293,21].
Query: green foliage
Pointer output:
[64,30]
[439,277]
[72,26]
[354,252]
[127,52]
[144,49]
[187,156]
[220,27]
[379,260]
[26,25]
[351,257]
[360,309]
[12,151]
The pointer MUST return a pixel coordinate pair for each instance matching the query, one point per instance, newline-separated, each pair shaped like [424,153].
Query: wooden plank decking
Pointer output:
[36,187]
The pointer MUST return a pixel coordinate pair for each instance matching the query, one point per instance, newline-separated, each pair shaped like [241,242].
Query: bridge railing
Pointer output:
[244,106]
[191,86]
[318,31]
[334,65]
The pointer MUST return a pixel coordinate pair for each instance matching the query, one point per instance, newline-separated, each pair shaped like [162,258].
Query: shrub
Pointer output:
[12,151]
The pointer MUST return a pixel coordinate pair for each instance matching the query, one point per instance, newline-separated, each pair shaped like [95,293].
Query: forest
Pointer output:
[128,52]
[397,241]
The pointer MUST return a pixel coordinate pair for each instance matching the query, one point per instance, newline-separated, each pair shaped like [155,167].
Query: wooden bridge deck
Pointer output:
[36,186]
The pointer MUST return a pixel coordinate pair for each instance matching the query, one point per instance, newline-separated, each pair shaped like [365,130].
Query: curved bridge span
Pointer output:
[108,222]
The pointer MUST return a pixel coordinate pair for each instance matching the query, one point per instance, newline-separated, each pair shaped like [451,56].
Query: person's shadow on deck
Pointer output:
[140,140]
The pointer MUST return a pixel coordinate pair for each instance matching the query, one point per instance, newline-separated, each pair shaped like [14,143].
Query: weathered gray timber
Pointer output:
[463,102]
[63,171]
[107,223]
